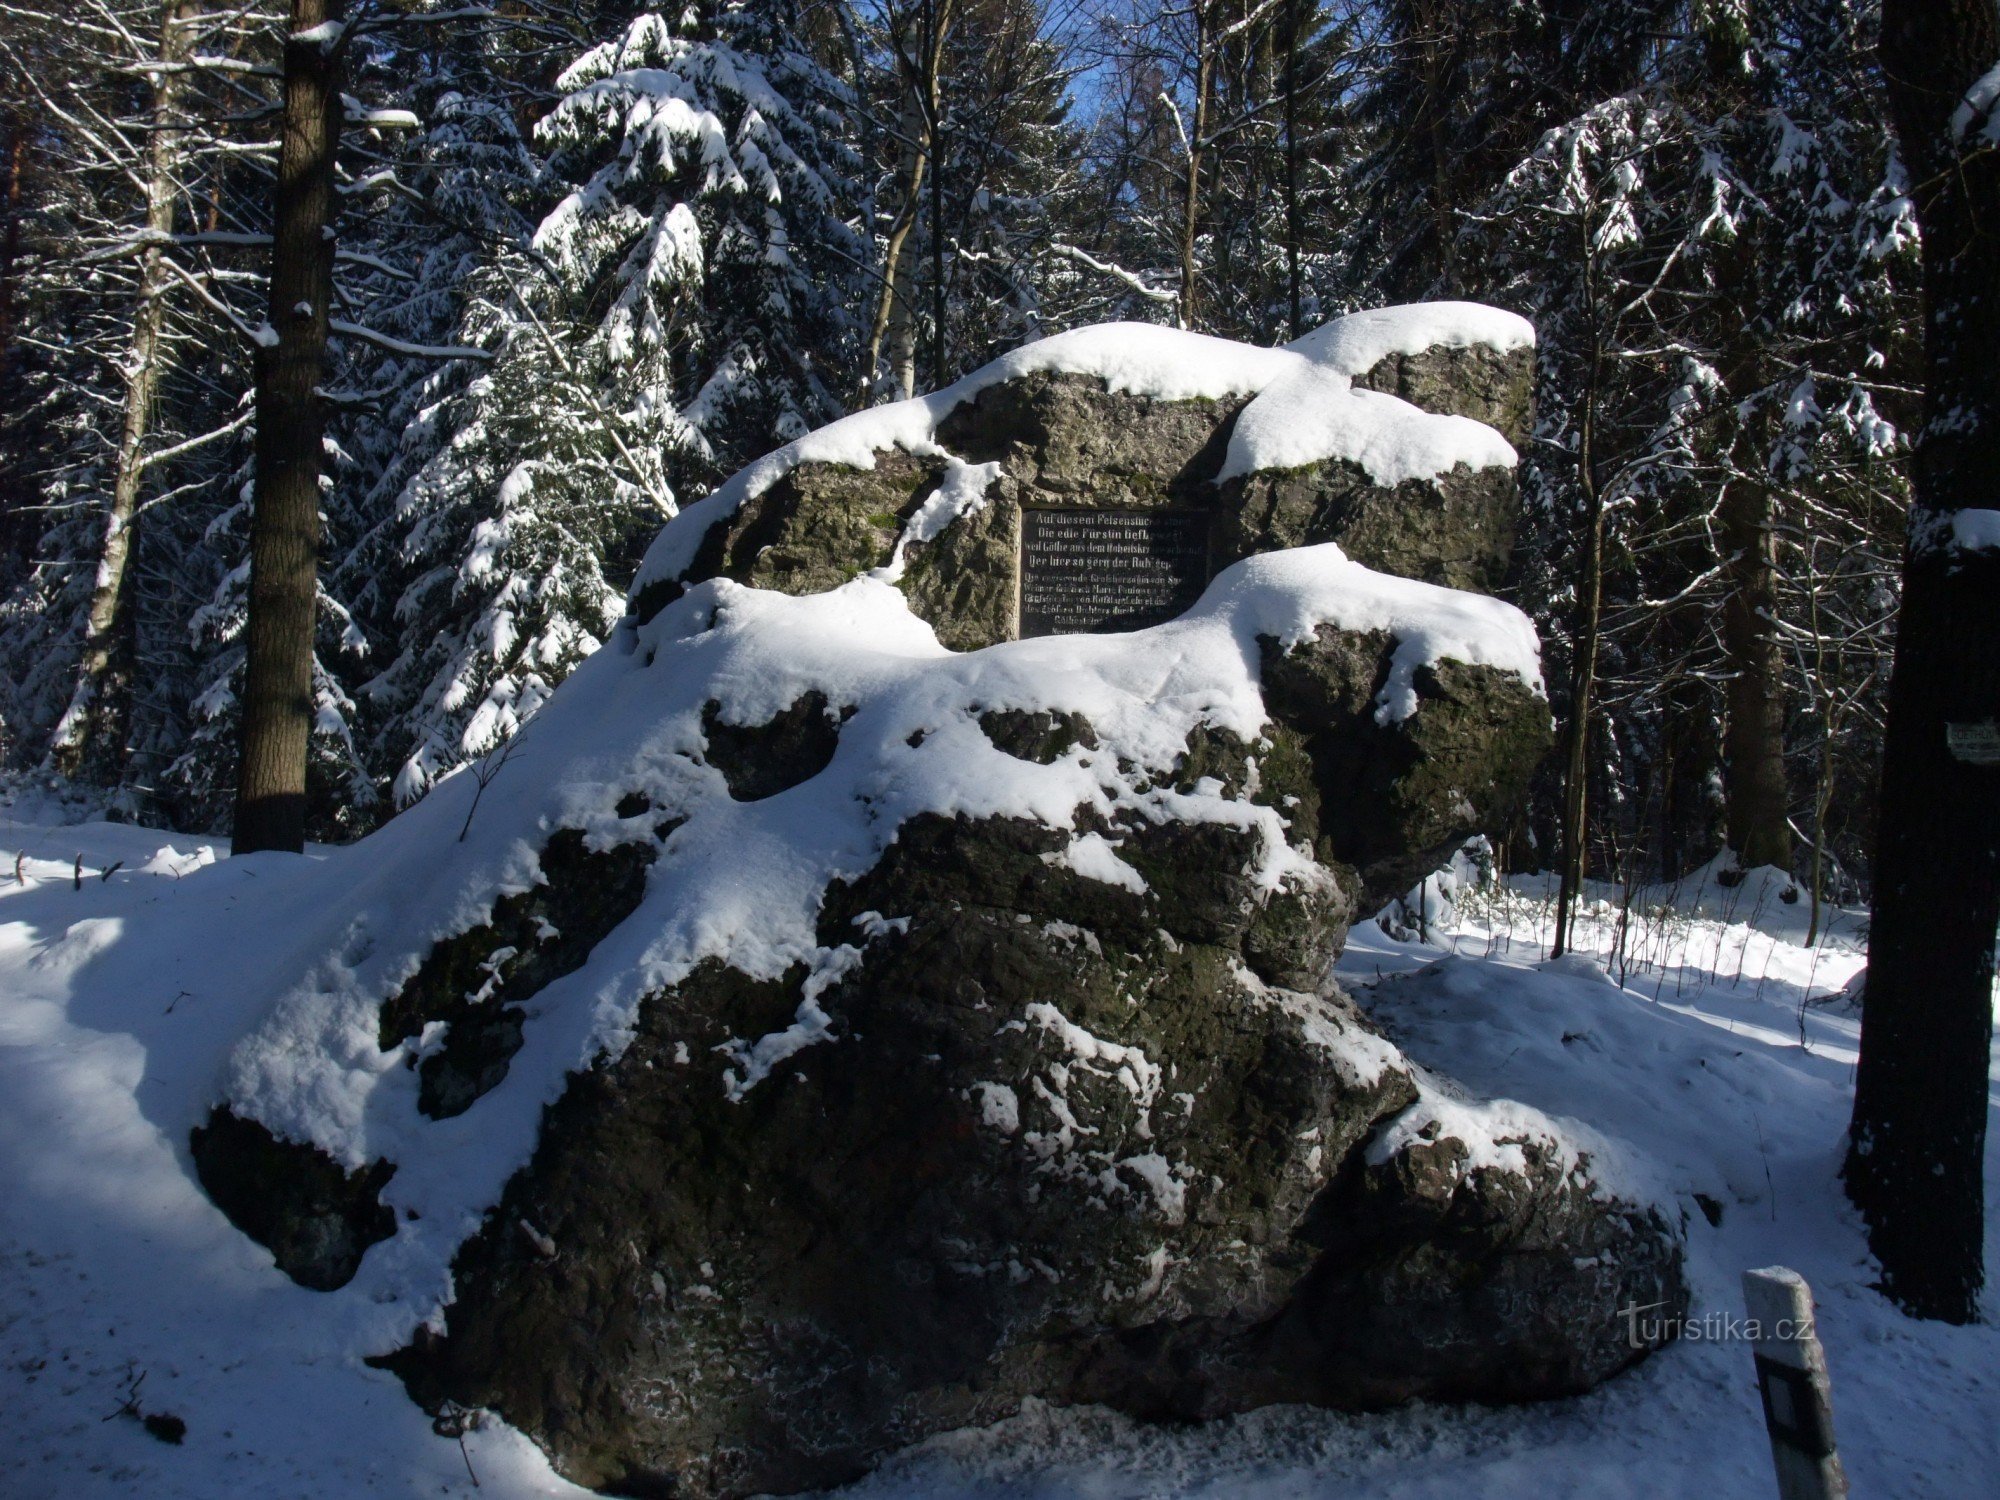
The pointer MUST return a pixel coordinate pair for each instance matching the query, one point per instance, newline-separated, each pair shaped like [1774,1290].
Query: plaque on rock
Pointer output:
[1089,571]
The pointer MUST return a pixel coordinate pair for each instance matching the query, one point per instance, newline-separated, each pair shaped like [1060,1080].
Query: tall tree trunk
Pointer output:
[1920,1103]
[1589,641]
[895,321]
[1756,797]
[16,151]
[1754,788]
[1204,74]
[900,267]
[1582,708]
[1439,22]
[1294,231]
[934,134]
[891,299]
[89,739]
[291,419]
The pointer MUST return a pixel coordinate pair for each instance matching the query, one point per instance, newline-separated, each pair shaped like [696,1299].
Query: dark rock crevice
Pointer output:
[1043,736]
[761,760]
[315,1217]
[479,982]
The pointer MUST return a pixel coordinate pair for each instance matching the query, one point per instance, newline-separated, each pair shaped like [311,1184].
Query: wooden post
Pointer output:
[1791,1377]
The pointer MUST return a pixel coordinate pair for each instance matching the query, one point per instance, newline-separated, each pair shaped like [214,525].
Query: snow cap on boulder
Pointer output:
[1387,432]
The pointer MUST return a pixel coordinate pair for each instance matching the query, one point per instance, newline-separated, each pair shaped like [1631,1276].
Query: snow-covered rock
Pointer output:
[1387,432]
[806,1038]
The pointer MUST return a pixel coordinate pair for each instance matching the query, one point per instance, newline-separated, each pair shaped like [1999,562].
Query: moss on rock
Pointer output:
[1394,799]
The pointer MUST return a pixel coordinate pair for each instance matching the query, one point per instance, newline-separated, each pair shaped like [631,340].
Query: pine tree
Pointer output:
[682,306]
[1715,464]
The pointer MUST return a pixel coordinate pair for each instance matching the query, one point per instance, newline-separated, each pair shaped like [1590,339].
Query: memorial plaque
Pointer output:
[1088,571]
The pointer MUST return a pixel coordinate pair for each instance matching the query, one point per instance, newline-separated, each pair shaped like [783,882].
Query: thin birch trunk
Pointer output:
[89,738]
[1191,196]
[894,323]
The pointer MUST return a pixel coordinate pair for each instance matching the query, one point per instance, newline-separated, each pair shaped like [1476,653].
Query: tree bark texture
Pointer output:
[1756,797]
[1294,232]
[1438,42]
[934,134]
[89,739]
[1920,1107]
[284,525]
[1576,741]
[1754,787]
[16,152]
[1589,640]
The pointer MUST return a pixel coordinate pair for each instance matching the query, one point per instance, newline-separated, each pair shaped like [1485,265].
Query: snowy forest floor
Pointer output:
[1721,1054]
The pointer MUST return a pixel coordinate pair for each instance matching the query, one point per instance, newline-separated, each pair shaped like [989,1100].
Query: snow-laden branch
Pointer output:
[373,263]
[325,36]
[354,112]
[237,424]
[383,178]
[400,346]
[1117,273]
[262,335]
[141,240]
[234,65]
[381,22]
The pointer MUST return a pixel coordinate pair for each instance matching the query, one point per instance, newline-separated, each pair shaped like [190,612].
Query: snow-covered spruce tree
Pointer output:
[427,172]
[1450,97]
[1714,481]
[708,217]
[473,183]
[682,307]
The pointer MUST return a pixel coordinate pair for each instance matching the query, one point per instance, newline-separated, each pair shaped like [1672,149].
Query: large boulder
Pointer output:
[1085,1132]
[1068,1144]
[1388,433]
[829,1039]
